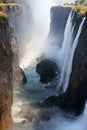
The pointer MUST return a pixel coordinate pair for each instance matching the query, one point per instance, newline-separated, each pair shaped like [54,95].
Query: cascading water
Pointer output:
[67,51]
[66,48]
[31,48]
[75,43]
[67,37]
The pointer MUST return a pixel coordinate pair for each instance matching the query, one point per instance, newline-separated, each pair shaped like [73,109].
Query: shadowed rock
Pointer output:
[75,97]
[47,69]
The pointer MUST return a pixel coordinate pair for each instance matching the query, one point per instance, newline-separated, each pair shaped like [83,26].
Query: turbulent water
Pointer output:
[25,116]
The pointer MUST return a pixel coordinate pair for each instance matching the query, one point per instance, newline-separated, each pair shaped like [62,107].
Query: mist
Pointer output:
[35,29]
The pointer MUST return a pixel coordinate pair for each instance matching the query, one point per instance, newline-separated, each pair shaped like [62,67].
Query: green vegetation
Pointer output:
[9,1]
[81,9]
[77,2]
[81,2]
[6,1]
[79,5]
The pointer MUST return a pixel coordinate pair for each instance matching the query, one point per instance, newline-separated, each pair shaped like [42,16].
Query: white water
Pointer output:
[58,122]
[67,34]
[75,43]
[66,48]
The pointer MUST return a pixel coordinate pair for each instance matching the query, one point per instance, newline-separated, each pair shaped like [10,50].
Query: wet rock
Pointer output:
[47,69]
[74,99]
[24,79]
[77,89]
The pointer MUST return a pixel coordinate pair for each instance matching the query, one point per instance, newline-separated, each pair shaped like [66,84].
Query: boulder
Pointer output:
[47,69]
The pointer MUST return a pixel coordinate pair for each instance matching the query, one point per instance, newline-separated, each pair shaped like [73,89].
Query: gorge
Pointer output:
[73,99]
[50,91]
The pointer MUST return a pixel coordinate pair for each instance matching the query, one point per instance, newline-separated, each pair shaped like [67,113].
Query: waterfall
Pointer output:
[67,51]
[75,43]
[66,48]
[67,34]
[25,114]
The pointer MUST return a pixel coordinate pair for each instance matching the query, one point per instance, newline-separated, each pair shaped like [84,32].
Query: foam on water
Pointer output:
[58,122]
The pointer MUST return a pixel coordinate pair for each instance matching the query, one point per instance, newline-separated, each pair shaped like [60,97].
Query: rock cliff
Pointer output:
[59,17]
[77,88]
[76,94]
[5,72]
[10,72]
[18,76]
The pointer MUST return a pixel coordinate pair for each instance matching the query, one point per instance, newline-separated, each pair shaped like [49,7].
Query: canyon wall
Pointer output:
[6,89]
[59,16]
[76,94]
[77,88]
[11,75]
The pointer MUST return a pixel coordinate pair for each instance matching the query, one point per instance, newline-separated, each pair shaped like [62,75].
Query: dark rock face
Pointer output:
[59,16]
[47,70]
[5,72]
[74,98]
[24,79]
[77,89]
